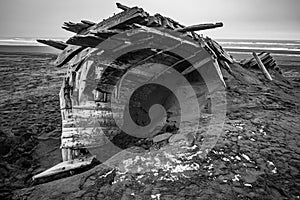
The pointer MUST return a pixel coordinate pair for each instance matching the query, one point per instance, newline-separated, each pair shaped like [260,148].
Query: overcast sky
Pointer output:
[253,19]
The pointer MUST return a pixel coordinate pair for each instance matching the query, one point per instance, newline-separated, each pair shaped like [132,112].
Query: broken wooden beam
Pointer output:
[200,27]
[67,54]
[123,19]
[65,169]
[88,22]
[85,40]
[123,7]
[152,21]
[262,67]
[53,43]
[92,40]
[105,33]
[75,27]
[265,58]
[164,21]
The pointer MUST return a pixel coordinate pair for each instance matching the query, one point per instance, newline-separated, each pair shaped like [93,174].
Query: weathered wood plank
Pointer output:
[123,7]
[67,54]
[164,21]
[75,27]
[88,22]
[123,19]
[262,67]
[85,40]
[105,33]
[54,43]
[219,51]
[65,167]
[200,27]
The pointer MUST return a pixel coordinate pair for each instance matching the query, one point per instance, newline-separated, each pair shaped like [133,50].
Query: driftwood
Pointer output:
[67,54]
[88,22]
[219,51]
[56,44]
[92,40]
[64,169]
[123,7]
[266,58]
[262,67]
[75,27]
[200,27]
[85,40]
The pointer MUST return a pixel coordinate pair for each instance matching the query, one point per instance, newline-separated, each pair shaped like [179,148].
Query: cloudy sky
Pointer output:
[252,19]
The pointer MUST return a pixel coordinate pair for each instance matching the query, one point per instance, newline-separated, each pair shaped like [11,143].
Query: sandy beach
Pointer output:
[264,153]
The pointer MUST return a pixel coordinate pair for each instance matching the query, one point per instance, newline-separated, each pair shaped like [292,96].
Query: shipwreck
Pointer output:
[100,55]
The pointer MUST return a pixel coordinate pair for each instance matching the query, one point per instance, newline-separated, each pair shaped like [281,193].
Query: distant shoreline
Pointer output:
[27,49]
[274,51]
[242,46]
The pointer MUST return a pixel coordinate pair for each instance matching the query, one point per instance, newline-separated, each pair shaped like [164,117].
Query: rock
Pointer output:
[250,178]
[162,137]
[251,195]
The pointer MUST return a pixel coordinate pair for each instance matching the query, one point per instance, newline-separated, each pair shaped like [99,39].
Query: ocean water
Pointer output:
[291,47]
[286,52]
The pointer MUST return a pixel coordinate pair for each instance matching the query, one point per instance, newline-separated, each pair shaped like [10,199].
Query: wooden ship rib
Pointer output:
[83,112]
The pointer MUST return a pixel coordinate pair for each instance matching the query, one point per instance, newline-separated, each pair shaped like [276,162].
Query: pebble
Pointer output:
[250,178]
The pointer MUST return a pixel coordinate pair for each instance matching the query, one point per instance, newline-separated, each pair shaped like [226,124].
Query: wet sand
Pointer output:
[30,117]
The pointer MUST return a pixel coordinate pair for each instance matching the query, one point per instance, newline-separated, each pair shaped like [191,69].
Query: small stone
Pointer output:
[162,137]
[251,194]
[238,190]
[250,178]
[221,178]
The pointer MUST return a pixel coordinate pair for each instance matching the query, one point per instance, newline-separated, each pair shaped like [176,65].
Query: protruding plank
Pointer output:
[262,67]
[200,27]
[265,58]
[105,33]
[88,22]
[65,166]
[219,51]
[123,7]
[85,40]
[75,27]
[153,21]
[67,54]
[124,19]
[56,44]
[92,40]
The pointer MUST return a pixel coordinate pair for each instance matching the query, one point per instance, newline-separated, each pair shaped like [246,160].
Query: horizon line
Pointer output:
[216,38]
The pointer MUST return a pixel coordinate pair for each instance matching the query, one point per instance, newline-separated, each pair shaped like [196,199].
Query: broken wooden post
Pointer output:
[225,65]
[200,27]
[70,154]
[262,67]
[64,154]
[123,7]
